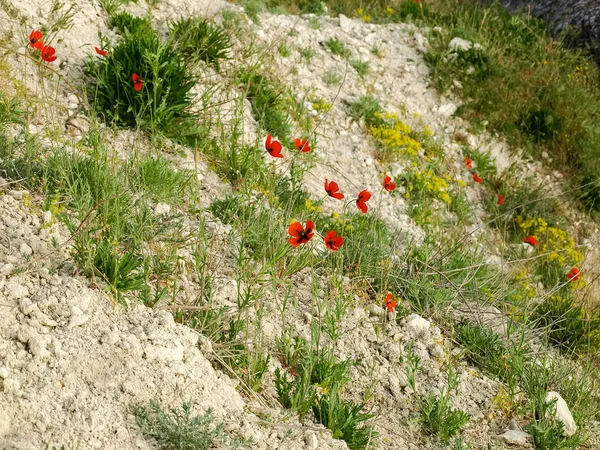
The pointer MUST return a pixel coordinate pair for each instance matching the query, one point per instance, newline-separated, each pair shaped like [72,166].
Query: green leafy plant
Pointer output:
[569,326]
[199,40]
[179,429]
[361,67]
[156,177]
[412,361]
[344,419]
[125,22]
[318,371]
[307,53]
[333,78]
[484,348]
[337,47]
[284,50]
[268,106]
[143,82]
[366,108]
[436,414]
[546,430]
[543,124]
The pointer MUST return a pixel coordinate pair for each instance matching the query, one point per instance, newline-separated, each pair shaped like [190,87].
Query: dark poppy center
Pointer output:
[303,236]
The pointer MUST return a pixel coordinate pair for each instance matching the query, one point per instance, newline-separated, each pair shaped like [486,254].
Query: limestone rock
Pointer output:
[562,413]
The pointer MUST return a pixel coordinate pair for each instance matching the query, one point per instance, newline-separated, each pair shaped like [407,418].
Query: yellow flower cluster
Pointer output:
[394,135]
[503,400]
[524,292]
[556,242]
[432,185]
[361,13]
[320,105]
[308,204]
[341,223]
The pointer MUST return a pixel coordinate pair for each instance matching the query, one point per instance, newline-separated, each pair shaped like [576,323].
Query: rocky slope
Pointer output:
[73,363]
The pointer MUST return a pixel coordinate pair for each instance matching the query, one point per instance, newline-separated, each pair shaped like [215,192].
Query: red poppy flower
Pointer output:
[361,201]
[137,82]
[469,163]
[333,242]
[500,200]
[301,235]
[100,51]
[476,178]
[389,303]
[302,145]
[273,147]
[35,39]
[574,274]
[531,240]
[388,185]
[48,53]
[333,190]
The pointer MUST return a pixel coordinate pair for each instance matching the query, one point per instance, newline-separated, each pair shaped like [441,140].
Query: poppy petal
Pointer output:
[295,229]
[310,227]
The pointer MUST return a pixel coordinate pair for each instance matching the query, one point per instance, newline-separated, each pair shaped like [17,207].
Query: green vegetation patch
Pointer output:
[143,83]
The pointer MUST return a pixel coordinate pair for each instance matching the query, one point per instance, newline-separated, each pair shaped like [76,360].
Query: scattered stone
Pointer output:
[78,318]
[514,435]
[417,326]
[345,23]
[17,195]
[311,440]
[16,290]
[562,414]
[448,109]
[421,42]
[12,386]
[375,310]
[460,44]
[7,269]
[436,351]
[37,347]
[46,217]
[4,422]
[162,209]
[25,249]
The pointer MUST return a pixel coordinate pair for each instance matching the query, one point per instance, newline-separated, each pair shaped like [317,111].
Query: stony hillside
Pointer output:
[170,240]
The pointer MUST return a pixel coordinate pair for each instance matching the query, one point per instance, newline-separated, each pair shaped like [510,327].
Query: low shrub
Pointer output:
[569,326]
[124,22]
[315,386]
[179,429]
[199,40]
[438,417]
[268,105]
[143,82]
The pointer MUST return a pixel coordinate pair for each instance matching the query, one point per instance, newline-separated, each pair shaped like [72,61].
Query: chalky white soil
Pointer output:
[72,363]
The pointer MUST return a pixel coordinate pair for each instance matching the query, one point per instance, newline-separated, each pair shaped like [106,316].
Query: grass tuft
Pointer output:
[199,40]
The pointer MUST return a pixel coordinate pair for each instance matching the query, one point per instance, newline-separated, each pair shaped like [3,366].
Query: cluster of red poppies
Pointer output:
[48,55]
[47,52]
[302,234]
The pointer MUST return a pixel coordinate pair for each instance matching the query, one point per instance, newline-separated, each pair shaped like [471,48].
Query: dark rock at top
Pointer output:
[582,15]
